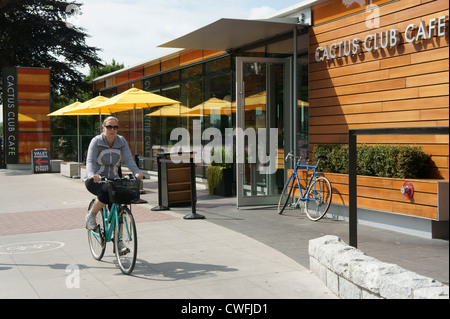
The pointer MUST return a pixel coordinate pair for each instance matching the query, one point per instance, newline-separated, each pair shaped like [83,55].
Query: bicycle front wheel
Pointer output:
[318,199]
[286,194]
[96,238]
[125,241]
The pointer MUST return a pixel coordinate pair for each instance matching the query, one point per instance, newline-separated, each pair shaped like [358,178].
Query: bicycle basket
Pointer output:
[124,191]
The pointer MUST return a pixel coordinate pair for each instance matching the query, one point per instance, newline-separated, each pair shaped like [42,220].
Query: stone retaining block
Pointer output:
[351,274]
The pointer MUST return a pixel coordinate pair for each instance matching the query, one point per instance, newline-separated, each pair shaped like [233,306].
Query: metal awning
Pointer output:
[229,34]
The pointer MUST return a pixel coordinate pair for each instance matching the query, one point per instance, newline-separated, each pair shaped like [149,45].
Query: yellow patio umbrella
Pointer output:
[133,99]
[86,108]
[255,101]
[173,110]
[213,106]
[301,103]
[64,109]
[259,100]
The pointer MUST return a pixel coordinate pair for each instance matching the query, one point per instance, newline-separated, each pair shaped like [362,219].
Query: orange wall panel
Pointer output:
[169,64]
[190,56]
[33,86]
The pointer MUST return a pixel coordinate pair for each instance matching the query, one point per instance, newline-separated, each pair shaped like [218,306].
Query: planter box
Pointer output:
[69,169]
[430,200]
[225,188]
[55,166]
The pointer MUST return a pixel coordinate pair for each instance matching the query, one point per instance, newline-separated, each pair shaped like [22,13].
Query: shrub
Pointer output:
[214,176]
[379,160]
[225,161]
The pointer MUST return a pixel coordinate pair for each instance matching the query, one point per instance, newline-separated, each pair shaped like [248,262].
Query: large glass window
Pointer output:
[218,88]
[192,86]
[168,123]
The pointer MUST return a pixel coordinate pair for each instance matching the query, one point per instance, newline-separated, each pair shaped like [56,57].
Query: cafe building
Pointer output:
[301,78]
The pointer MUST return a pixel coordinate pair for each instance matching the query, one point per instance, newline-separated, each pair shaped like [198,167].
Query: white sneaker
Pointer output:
[123,250]
[91,222]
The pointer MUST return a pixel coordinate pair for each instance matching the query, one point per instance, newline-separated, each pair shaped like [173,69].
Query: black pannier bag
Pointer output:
[124,191]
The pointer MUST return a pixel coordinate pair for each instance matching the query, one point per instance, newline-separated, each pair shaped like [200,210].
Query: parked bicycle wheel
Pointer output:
[97,240]
[286,194]
[125,241]
[318,199]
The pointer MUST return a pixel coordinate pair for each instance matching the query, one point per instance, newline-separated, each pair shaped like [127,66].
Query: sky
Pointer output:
[129,31]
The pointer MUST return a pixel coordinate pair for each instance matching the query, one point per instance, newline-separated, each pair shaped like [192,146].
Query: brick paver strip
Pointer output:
[63,219]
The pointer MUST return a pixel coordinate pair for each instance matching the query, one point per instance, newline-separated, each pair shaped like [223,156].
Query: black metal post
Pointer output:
[194,214]
[352,184]
[160,206]
[2,158]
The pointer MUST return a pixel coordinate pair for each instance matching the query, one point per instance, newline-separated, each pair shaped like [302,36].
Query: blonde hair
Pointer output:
[109,118]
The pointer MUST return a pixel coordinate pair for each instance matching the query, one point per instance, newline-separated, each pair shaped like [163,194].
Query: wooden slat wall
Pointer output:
[405,87]
[34,102]
[384,194]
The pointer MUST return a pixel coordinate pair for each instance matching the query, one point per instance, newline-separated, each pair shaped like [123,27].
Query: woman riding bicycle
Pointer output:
[103,160]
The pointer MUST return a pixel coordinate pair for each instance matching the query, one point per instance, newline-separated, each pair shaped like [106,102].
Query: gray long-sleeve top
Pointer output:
[105,161]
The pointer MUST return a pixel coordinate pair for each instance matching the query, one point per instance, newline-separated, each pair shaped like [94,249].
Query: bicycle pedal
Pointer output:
[124,252]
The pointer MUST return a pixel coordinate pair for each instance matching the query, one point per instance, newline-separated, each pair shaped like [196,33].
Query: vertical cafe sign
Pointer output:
[10,115]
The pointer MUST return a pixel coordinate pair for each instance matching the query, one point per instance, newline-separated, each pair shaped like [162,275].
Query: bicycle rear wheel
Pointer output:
[286,194]
[318,199]
[96,238]
[125,241]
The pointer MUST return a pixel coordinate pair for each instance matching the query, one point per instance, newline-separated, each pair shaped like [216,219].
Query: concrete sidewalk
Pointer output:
[248,253]
[44,251]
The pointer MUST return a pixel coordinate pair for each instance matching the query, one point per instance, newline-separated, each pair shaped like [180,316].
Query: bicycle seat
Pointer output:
[322,157]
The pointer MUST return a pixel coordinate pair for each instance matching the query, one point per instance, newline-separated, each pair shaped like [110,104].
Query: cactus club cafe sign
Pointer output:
[435,27]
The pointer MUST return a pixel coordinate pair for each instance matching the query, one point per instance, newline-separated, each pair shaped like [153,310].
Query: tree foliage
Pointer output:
[34,33]
[96,72]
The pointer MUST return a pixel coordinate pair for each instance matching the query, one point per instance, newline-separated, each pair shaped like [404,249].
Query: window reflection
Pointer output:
[192,86]
[199,85]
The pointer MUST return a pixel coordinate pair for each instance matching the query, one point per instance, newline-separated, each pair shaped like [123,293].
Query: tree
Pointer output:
[34,33]
[96,72]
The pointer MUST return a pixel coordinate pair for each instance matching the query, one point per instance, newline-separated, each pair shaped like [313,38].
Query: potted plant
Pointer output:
[220,176]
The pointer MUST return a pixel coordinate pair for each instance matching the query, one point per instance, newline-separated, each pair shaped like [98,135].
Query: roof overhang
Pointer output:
[230,34]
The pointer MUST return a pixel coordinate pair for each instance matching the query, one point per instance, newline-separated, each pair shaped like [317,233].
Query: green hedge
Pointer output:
[379,160]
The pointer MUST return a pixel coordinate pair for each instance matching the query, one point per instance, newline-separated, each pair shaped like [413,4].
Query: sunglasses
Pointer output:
[110,127]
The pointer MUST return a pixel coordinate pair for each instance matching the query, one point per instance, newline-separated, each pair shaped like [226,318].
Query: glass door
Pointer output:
[263,125]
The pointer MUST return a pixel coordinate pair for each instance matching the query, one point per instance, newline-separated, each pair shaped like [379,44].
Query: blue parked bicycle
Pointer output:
[317,195]
[117,224]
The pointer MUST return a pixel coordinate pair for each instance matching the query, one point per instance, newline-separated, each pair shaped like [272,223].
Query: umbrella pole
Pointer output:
[135,134]
[78,145]
[100,119]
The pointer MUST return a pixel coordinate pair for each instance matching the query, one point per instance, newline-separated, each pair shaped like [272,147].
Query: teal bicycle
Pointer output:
[117,224]
[316,197]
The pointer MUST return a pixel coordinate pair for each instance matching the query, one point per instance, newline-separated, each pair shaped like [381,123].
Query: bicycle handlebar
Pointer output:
[299,158]
[291,155]
[128,176]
